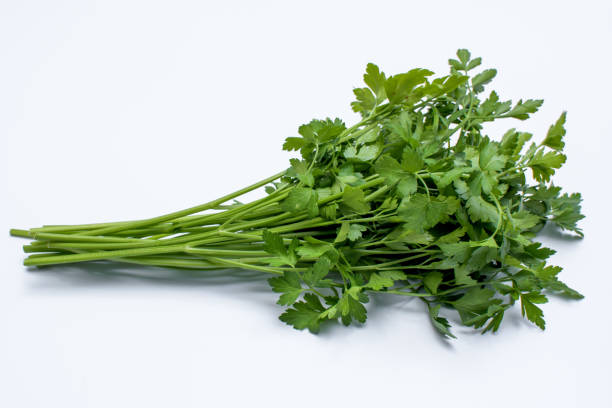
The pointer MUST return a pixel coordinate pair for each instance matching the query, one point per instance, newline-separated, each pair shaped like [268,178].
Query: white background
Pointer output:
[129,109]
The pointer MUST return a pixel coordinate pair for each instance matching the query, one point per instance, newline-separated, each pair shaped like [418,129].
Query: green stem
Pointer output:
[188,211]
[241,265]
[97,256]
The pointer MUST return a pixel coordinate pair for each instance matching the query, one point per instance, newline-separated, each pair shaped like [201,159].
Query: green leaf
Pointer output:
[464,55]
[495,322]
[524,220]
[483,78]
[452,237]
[512,142]
[432,280]
[493,107]
[405,234]
[473,63]
[482,181]
[313,251]
[350,152]
[289,285]
[319,270]
[456,65]
[474,306]
[547,276]
[456,252]
[305,314]
[528,308]
[351,308]
[366,101]
[385,279]
[390,169]
[522,109]
[329,211]
[544,193]
[366,153]
[461,188]
[407,185]
[538,251]
[375,80]
[450,176]
[421,212]
[354,199]
[554,137]
[546,272]
[475,300]
[439,323]
[301,199]
[462,275]
[444,85]
[411,160]
[343,232]
[322,131]
[562,289]
[495,312]
[489,160]
[566,212]
[348,176]
[482,256]
[300,170]
[356,231]
[481,210]
[489,242]
[368,137]
[273,244]
[294,143]
[399,87]
[543,165]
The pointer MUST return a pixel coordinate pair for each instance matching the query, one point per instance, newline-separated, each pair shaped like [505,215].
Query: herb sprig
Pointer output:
[413,200]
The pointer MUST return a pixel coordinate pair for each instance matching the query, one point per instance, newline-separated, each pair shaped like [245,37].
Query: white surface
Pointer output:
[127,109]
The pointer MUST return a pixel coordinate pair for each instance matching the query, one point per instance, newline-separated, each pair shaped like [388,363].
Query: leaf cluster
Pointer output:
[418,200]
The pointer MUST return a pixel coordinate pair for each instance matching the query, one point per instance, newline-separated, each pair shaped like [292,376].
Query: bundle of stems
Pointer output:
[219,236]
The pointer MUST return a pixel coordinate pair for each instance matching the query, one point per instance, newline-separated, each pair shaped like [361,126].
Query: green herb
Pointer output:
[413,200]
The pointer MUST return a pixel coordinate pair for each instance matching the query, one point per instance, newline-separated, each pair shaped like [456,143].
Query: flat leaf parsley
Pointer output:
[414,199]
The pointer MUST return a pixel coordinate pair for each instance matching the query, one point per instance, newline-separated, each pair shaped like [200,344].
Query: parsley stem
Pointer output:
[188,211]
[95,256]
[424,184]
[242,265]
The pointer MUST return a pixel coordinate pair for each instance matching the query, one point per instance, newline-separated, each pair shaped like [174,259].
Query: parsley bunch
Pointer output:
[413,200]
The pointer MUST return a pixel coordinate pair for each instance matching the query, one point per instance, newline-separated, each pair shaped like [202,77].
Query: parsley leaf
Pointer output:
[432,280]
[399,87]
[273,244]
[300,170]
[528,308]
[481,210]
[554,137]
[289,285]
[305,314]
[543,165]
[301,199]
[385,279]
[421,212]
[353,200]
[522,109]
[441,324]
